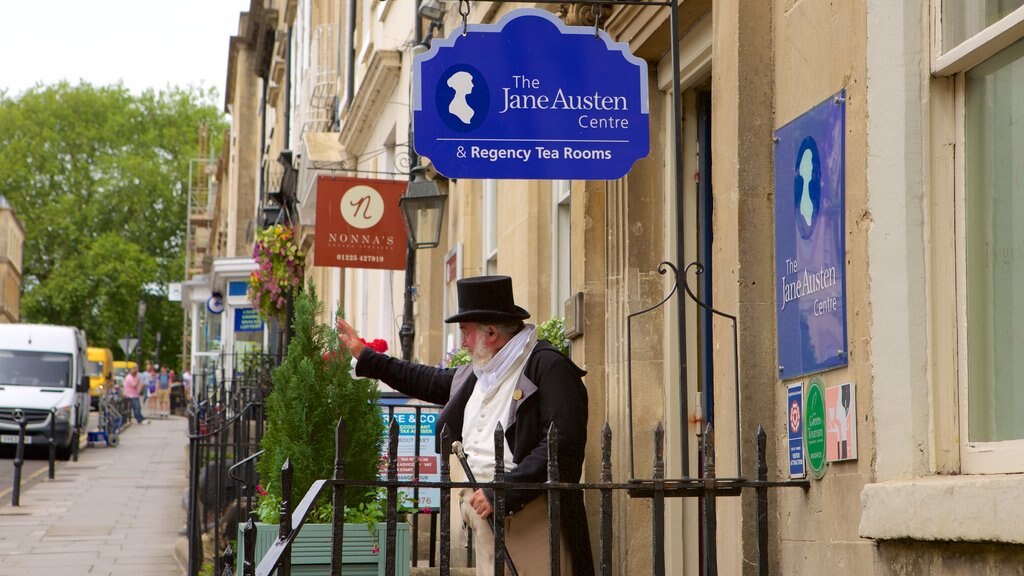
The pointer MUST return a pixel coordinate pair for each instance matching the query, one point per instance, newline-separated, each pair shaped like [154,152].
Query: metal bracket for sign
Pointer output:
[678,281]
[678,188]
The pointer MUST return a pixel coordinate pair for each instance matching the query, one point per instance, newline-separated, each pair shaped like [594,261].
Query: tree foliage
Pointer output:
[99,177]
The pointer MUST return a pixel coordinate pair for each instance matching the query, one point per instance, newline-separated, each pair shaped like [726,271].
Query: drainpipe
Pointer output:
[350,57]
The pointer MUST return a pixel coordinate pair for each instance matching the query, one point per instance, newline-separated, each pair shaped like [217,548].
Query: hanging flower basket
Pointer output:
[279,273]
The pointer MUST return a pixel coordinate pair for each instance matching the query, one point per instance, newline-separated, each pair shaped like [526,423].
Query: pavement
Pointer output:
[115,512]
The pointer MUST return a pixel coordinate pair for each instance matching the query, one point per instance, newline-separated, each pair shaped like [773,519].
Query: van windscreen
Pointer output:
[94,368]
[25,368]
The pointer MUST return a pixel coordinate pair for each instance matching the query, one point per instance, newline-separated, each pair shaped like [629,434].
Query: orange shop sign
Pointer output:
[359,224]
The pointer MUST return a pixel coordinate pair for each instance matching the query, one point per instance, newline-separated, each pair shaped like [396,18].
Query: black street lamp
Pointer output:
[423,209]
[142,314]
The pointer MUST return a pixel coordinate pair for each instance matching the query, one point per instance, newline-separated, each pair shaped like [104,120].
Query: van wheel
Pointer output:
[64,452]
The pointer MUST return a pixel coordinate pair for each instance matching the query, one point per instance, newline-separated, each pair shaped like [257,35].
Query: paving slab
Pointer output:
[115,512]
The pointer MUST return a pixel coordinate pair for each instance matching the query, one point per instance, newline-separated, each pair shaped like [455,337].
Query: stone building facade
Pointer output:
[931,255]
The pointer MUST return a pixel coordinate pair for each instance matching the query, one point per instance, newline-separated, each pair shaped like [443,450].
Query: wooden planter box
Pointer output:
[311,551]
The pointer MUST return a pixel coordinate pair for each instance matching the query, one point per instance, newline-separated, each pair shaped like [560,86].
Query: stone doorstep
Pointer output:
[421,571]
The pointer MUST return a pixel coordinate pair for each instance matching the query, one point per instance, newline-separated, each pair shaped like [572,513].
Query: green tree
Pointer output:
[100,177]
[313,388]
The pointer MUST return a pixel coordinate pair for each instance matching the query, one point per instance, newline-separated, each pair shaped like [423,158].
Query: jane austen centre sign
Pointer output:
[810,249]
[359,224]
[530,98]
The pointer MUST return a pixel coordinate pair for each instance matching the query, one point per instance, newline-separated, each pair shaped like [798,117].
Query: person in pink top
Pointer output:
[132,391]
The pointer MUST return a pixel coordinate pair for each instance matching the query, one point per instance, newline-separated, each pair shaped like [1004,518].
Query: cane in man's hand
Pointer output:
[460,453]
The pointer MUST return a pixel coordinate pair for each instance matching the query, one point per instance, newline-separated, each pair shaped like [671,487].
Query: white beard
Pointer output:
[480,355]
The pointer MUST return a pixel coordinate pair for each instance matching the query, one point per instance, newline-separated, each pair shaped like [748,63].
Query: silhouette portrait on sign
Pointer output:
[807,187]
[462,83]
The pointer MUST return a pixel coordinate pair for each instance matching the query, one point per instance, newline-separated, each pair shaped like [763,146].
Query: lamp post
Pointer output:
[423,210]
[422,205]
[142,314]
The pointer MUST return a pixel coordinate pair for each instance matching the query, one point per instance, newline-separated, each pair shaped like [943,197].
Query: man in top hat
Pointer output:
[524,384]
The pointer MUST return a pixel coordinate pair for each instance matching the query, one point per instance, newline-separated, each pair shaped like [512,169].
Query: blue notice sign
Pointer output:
[530,98]
[810,248]
[247,320]
[795,417]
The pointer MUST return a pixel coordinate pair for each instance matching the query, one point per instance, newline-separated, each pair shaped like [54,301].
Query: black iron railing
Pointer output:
[657,488]
[226,425]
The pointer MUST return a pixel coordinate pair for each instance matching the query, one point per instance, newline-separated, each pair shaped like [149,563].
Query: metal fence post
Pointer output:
[500,553]
[710,510]
[554,503]
[658,501]
[762,504]
[338,500]
[392,511]
[53,442]
[228,561]
[249,554]
[446,501]
[195,551]
[285,517]
[606,501]
[19,457]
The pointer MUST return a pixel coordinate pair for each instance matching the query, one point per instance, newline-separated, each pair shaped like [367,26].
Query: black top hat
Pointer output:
[487,299]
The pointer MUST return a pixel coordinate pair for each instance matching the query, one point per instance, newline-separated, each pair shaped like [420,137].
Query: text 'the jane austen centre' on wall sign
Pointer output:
[530,98]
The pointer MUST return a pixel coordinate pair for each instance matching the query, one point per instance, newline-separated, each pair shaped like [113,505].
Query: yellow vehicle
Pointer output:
[100,368]
[122,368]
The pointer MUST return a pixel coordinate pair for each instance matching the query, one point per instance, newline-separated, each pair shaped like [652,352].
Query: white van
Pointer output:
[42,369]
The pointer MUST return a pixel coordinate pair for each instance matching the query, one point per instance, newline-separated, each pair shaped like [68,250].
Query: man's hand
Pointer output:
[349,338]
[480,504]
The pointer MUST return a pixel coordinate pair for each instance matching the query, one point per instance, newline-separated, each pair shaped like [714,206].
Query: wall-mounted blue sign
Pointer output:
[810,248]
[247,320]
[530,98]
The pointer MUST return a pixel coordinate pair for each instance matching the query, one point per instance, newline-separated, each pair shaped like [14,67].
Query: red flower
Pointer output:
[379,345]
[328,356]
[376,550]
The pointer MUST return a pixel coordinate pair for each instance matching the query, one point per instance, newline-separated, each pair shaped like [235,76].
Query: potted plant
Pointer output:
[313,388]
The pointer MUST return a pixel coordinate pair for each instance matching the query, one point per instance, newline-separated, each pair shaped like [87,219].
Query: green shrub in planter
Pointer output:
[313,388]
[553,330]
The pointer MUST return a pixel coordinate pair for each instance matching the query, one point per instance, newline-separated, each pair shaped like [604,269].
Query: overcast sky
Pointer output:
[144,43]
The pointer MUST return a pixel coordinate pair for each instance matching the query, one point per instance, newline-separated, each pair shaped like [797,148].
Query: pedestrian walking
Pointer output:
[132,391]
[522,383]
[163,393]
[147,379]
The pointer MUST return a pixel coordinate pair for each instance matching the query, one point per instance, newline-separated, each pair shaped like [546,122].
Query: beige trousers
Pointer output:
[526,539]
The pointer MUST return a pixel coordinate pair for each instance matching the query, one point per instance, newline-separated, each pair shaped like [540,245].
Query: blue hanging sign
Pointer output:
[530,98]
[810,246]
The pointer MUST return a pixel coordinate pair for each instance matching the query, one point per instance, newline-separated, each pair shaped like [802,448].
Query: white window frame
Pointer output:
[451,335]
[489,229]
[977,48]
[561,250]
[975,457]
